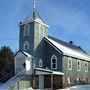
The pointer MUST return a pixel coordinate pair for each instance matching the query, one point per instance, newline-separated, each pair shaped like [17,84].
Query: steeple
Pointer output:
[34,16]
[32,31]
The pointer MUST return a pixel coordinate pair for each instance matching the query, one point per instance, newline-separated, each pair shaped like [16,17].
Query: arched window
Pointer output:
[26,30]
[69,63]
[26,46]
[40,63]
[53,62]
[41,30]
[86,66]
[78,65]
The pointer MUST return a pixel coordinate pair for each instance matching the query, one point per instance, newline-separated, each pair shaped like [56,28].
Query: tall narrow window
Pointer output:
[41,31]
[26,30]
[26,46]
[53,62]
[69,63]
[40,63]
[78,65]
[86,66]
[37,30]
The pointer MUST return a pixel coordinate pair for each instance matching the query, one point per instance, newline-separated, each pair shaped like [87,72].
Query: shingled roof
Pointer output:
[35,15]
[67,44]
[69,49]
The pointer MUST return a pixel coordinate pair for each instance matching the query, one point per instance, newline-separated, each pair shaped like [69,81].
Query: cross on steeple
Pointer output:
[34,4]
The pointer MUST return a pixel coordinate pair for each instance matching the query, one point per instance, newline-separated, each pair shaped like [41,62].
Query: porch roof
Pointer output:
[40,71]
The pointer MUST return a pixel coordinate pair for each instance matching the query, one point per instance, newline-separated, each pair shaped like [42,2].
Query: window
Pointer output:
[40,63]
[26,46]
[78,65]
[41,31]
[37,30]
[53,62]
[26,30]
[69,63]
[86,66]
[45,30]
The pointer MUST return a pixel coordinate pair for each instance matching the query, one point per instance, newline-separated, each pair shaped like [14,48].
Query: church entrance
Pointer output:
[48,79]
[54,81]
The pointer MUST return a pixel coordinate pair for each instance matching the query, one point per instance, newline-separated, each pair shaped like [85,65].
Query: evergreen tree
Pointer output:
[6,60]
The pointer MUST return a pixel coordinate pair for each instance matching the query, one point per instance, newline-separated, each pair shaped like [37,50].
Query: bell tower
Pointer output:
[32,31]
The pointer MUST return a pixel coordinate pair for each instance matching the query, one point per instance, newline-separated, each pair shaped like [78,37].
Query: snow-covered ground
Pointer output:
[78,87]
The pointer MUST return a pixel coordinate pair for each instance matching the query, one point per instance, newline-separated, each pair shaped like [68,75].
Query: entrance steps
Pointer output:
[12,81]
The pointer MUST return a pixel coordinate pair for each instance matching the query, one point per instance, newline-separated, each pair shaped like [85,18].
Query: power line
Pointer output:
[14,39]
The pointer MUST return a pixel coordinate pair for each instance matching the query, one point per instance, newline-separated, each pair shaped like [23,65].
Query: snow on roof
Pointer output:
[47,71]
[34,15]
[70,52]
[27,54]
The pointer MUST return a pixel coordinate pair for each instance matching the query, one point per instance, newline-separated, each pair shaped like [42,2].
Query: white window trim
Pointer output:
[86,68]
[26,43]
[24,29]
[52,62]
[69,59]
[79,65]
[40,63]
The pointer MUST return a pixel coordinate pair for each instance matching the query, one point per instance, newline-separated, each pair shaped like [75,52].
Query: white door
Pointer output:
[41,81]
[28,67]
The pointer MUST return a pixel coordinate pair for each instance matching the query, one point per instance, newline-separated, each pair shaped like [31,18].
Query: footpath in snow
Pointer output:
[78,87]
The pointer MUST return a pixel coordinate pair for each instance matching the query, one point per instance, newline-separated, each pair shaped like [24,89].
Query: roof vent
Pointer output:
[71,42]
[20,22]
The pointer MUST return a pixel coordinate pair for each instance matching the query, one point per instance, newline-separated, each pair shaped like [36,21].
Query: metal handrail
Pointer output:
[21,73]
[8,84]
[11,81]
[6,76]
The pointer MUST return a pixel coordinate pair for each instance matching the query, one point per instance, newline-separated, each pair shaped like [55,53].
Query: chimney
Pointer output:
[71,42]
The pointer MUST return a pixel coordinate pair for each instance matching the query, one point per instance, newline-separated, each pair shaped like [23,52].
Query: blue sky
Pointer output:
[68,20]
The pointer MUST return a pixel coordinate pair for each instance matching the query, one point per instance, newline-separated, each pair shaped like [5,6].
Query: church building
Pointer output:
[46,61]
